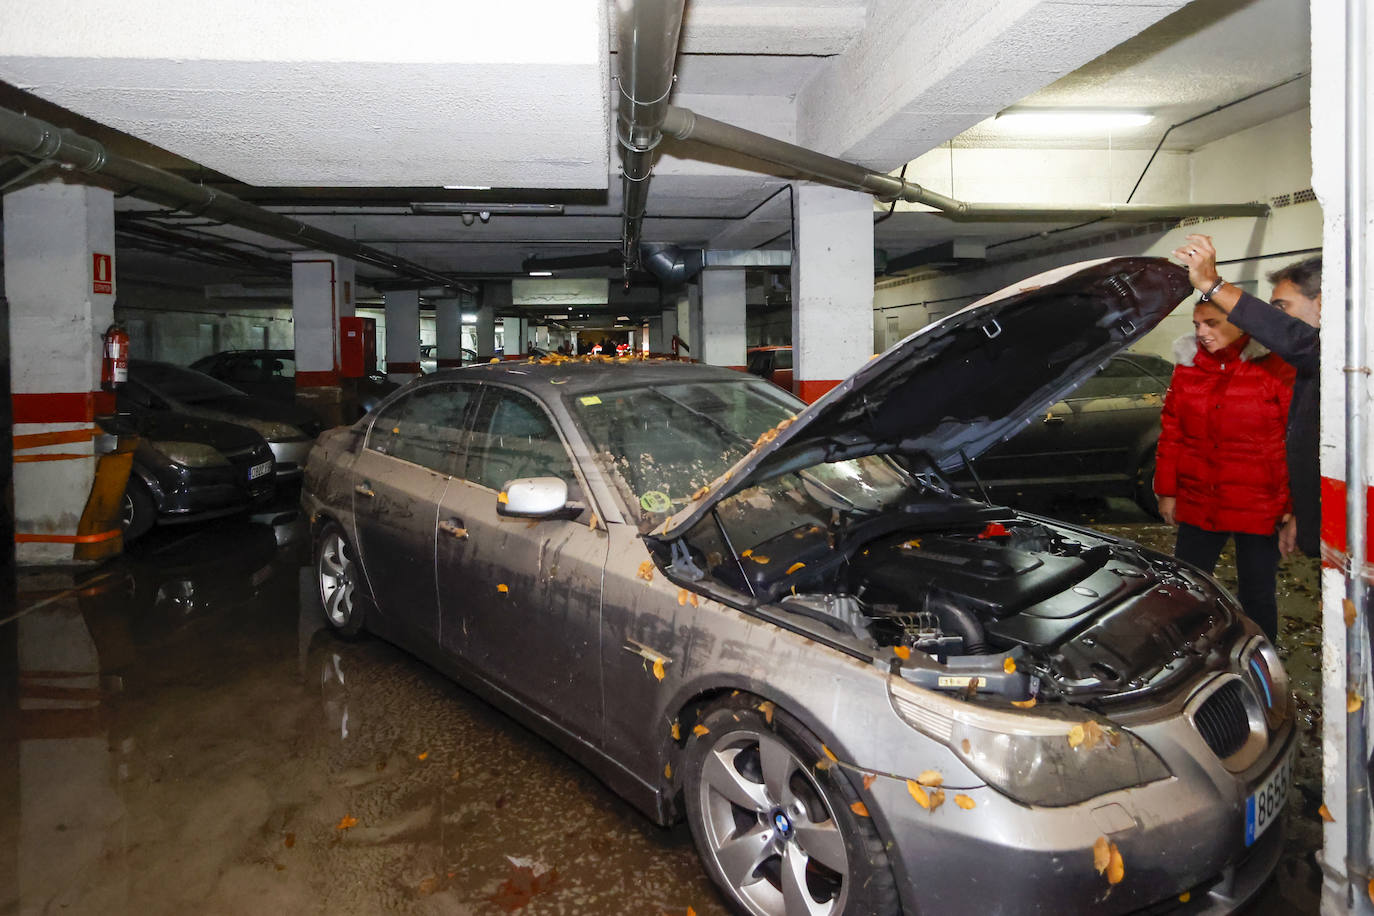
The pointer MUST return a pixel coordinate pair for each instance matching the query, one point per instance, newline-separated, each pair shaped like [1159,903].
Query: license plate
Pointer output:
[1265,804]
[259,470]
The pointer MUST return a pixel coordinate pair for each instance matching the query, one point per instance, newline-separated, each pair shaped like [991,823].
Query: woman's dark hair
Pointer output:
[1305,275]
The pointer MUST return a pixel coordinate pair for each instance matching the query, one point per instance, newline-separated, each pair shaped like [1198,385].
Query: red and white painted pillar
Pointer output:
[832,287]
[402,334]
[722,318]
[60,282]
[322,292]
[448,330]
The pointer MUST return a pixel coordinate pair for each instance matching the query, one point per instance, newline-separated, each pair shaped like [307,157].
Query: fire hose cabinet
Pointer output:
[357,346]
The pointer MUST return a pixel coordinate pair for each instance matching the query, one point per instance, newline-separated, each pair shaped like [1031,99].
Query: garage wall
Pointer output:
[181,326]
[1269,162]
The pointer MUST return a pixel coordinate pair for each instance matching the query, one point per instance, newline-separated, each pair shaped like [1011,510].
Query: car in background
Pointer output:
[1099,440]
[772,364]
[188,468]
[156,387]
[429,357]
[860,688]
[271,374]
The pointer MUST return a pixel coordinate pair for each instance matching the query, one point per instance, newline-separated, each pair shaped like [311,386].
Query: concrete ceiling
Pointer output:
[345,113]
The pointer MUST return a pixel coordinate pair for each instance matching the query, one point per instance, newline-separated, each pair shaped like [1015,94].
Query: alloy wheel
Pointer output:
[770,828]
[338,576]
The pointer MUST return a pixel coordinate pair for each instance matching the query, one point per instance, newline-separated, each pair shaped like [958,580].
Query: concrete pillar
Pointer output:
[655,342]
[402,334]
[669,329]
[689,320]
[60,282]
[448,328]
[513,331]
[495,295]
[321,294]
[832,287]
[722,318]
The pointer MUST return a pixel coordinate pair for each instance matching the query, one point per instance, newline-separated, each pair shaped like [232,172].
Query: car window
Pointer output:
[425,428]
[1121,377]
[760,362]
[180,384]
[513,437]
[279,367]
[782,359]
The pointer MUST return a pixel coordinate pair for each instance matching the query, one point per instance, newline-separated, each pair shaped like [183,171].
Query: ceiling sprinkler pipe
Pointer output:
[38,139]
[685,124]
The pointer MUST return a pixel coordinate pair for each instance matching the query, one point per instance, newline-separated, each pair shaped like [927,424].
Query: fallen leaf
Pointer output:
[761,560]
[345,822]
[692,597]
[1116,869]
[1076,736]
[1184,897]
[682,596]
[937,798]
[1024,704]
[748,553]
[1102,854]
[868,780]
[591,523]
[701,730]
[1353,701]
[859,808]
[901,652]
[965,802]
[918,793]
[931,778]
[503,588]
[422,756]
[1009,665]
[967,746]
[428,886]
[1092,735]
[522,885]
[912,544]
[1370,890]
[1349,607]
[456,774]
[658,669]
[700,493]
[829,755]
[502,498]
[280,867]
[691,912]
[289,840]
[676,731]
[646,571]
[794,567]
[1325,814]
[667,771]
[767,708]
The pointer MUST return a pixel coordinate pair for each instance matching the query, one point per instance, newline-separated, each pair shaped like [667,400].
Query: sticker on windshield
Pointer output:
[655,500]
[590,399]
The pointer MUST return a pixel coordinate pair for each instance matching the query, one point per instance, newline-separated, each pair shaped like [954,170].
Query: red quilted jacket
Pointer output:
[1221,445]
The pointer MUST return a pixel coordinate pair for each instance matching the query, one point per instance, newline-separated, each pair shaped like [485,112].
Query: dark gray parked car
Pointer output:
[864,692]
[271,374]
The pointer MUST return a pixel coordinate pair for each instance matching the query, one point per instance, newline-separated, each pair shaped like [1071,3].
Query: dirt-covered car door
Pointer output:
[520,598]
[399,476]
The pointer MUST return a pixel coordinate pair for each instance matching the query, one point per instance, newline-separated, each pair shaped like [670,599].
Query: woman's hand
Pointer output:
[1166,509]
[1288,535]
[1199,255]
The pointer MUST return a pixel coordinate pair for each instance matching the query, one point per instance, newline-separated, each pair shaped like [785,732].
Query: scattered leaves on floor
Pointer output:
[428,886]
[423,755]
[289,840]
[859,808]
[522,886]
[345,822]
[965,802]
[646,571]
[767,708]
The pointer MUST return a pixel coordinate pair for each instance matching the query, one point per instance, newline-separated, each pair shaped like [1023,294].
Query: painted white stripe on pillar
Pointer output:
[402,332]
[317,287]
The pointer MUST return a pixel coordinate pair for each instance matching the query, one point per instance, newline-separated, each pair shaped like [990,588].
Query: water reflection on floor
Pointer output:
[178,736]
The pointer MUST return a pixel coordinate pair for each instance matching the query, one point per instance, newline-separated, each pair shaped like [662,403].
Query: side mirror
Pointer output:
[536,497]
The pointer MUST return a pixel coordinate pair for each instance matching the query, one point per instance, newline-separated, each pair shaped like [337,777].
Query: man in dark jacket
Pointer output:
[1290,328]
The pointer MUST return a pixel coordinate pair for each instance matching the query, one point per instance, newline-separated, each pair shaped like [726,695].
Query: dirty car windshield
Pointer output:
[185,385]
[662,443]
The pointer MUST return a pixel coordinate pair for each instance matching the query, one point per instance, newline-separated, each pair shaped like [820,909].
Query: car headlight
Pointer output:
[271,430]
[192,454]
[1049,759]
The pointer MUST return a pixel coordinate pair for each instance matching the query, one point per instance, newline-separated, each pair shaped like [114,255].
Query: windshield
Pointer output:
[660,444]
[177,384]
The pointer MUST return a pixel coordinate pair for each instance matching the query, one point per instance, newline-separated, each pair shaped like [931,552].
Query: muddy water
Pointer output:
[187,740]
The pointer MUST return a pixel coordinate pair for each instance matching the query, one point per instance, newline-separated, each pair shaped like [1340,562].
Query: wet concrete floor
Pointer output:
[178,735]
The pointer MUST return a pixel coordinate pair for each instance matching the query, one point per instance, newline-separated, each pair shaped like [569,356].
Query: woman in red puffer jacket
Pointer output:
[1220,470]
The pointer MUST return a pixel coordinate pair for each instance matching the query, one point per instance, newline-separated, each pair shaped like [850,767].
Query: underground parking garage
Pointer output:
[647,457]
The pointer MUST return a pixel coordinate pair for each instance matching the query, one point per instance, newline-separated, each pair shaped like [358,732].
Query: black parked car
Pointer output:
[1098,441]
[272,374]
[187,469]
[155,387]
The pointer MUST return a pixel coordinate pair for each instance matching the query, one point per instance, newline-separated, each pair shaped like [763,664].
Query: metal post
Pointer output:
[1356,391]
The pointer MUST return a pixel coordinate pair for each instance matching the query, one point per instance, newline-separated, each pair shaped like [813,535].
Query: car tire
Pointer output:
[821,847]
[138,512]
[1145,487]
[340,581]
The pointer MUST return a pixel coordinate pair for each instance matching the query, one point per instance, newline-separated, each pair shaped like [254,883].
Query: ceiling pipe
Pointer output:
[40,140]
[685,124]
[647,33]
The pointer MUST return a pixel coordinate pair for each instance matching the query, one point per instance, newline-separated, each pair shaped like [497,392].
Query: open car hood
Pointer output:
[967,382]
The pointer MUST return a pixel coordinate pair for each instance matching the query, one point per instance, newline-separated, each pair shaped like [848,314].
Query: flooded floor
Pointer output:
[179,734]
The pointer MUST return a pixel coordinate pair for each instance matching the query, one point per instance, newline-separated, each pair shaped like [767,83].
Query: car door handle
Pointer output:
[363,489]
[454,527]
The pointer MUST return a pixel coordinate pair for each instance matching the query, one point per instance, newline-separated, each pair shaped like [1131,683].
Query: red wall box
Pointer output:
[357,346]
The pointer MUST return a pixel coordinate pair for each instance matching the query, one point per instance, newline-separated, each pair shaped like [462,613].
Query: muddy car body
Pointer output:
[865,692]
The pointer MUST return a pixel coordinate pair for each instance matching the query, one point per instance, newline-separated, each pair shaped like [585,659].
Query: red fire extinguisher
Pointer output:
[114,362]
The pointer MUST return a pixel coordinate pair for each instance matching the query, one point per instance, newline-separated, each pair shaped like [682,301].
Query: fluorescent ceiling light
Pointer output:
[449,206]
[622,317]
[467,187]
[1070,120]
[541,273]
[556,317]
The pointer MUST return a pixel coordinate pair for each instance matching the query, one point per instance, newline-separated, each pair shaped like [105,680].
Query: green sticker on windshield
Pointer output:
[590,399]
[655,501]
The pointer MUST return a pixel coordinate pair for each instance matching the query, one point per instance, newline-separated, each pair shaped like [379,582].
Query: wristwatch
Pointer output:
[1207,296]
